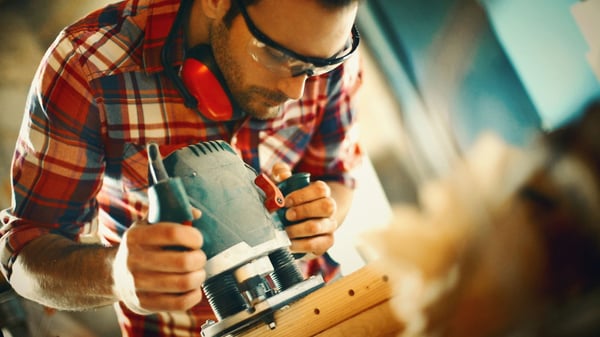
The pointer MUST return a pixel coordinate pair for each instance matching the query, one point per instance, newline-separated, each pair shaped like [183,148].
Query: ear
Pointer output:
[215,9]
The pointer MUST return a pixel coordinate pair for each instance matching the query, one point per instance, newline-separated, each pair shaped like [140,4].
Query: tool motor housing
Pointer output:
[250,269]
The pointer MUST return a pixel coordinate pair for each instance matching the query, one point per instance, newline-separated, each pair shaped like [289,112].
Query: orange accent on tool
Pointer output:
[274,199]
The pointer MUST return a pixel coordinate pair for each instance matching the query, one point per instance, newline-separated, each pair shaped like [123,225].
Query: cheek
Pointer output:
[228,53]
[241,72]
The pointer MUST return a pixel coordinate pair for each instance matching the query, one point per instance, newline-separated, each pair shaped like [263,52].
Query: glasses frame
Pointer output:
[315,61]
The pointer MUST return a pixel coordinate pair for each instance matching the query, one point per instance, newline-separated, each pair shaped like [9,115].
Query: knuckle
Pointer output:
[183,283]
[199,259]
[132,236]
[173,303]
[191,299]
[147,302]
[330,240]
[188,262]
[291,232]
[325,242]
[137,283]
[191,281]
[184,301]
[185,261]
[322,188]
[328,206]
[313,227]
[194,236]
[334,224]
[171,233]
[133,261]
[200,237]
[315,248]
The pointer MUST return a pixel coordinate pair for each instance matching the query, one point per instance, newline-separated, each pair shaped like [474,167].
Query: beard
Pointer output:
[258,102]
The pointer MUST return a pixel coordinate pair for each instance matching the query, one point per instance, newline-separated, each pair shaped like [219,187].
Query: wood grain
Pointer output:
[356,305]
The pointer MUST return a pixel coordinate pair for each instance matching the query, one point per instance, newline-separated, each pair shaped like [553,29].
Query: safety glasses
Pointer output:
[285,62]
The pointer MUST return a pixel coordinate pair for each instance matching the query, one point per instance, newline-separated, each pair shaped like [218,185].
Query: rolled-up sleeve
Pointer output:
[57,163]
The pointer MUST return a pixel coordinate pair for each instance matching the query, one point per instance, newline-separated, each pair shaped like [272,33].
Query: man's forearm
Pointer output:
[59,273]
[343,196]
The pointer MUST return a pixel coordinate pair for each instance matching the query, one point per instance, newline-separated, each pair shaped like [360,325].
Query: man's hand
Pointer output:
[148,277]
[315,209]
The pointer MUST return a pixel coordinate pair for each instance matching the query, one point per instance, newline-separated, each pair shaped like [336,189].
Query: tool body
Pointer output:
[295,182]
[250,270]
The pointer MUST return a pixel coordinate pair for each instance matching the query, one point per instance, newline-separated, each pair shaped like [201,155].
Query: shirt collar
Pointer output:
[160,20]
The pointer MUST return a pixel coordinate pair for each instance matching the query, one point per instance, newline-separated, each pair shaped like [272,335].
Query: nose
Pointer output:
[293,87]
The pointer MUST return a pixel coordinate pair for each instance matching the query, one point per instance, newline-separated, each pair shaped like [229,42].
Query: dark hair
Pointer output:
[234,10]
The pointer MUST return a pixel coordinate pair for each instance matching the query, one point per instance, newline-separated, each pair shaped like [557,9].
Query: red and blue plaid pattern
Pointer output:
[100,95]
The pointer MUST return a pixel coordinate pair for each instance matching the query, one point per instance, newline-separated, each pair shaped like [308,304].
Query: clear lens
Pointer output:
[283,64]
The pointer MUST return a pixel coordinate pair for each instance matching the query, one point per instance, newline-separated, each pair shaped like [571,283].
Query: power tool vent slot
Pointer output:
[205,148]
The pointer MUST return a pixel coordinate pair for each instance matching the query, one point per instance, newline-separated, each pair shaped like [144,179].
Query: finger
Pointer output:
[140,222]
[316,190]
[166,260]
[169,302]
[196,213]
[310,228]
[165,234]
[169,282]
[280,172]
[321,208]
[316,245]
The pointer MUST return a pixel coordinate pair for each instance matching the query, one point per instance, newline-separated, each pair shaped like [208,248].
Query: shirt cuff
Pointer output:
[13,239]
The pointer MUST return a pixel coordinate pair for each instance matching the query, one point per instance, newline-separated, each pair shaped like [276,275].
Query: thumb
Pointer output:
[123,282]
[196,213]
[280,172]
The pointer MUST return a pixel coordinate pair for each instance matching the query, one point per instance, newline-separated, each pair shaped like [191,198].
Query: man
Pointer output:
[104,90]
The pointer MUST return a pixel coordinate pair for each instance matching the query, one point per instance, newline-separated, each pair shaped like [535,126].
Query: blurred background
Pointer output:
[438,73]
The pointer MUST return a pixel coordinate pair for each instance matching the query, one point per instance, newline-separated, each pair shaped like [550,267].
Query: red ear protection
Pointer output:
[205,83]
[202,84]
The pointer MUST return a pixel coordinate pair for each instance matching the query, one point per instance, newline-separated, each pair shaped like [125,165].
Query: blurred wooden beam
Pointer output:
[356,305]
[377,321]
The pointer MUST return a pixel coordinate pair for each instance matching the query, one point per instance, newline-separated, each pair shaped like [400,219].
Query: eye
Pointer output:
[275,55]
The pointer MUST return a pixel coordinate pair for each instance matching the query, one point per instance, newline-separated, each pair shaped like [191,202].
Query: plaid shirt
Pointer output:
[100,94]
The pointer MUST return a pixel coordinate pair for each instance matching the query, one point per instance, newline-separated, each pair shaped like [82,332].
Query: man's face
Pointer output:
[303,27]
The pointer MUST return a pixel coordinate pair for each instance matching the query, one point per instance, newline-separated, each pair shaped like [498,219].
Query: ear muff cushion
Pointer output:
[204,81]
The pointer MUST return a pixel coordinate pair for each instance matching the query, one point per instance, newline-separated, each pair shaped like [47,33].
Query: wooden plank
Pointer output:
[378,321]
[329,306]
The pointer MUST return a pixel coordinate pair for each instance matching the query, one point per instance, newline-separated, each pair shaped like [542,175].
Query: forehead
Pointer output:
[304,26]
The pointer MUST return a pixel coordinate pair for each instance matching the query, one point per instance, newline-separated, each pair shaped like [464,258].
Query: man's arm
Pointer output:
[343,196]
[60,273]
